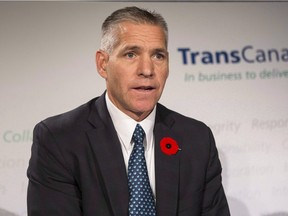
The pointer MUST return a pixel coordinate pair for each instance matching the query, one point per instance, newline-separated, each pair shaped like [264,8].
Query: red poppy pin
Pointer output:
[169,146]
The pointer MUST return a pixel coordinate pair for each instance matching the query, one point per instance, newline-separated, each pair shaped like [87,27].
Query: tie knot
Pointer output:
[139,134]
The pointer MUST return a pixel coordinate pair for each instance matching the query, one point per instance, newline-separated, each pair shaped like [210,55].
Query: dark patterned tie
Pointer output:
[141,200]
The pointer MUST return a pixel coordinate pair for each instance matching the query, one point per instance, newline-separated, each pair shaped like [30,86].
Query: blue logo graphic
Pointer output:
[248,54]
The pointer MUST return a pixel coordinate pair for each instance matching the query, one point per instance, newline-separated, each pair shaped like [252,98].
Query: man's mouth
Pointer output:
[144,88]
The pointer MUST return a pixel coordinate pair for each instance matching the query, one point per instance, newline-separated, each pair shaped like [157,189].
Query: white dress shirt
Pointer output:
[125,127]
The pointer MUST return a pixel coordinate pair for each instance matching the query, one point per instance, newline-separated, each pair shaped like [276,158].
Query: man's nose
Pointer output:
[146,66]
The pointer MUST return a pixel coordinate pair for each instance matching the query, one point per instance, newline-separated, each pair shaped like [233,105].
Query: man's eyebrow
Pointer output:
[137,48]
[162,50]
[133,47]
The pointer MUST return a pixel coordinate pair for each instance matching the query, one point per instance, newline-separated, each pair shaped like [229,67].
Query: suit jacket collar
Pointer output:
[107,149]
[166,166]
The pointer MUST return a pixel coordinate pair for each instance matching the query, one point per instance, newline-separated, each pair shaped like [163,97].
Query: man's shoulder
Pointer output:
[178,118]
[72,118]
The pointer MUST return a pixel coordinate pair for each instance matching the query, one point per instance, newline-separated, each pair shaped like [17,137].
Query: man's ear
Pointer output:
[101,62]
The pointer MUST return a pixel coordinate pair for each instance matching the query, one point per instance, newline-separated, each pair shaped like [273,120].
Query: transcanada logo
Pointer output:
[247,54]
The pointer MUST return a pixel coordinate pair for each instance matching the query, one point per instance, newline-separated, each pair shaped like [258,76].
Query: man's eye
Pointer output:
[130,55]
[159,56]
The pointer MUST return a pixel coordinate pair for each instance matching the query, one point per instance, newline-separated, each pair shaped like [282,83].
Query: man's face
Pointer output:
[136,70]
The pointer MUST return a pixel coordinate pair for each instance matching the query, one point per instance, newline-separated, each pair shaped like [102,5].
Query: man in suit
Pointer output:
[80,159]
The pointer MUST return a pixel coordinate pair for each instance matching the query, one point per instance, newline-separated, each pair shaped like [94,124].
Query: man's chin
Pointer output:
[144,107]
[143,111]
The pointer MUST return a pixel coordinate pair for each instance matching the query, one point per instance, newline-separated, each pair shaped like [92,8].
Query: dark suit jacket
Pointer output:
[77,167]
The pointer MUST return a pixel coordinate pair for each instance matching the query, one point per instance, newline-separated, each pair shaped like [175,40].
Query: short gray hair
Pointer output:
[129,14]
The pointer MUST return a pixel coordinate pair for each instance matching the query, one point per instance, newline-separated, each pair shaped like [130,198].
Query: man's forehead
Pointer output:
[131,28]
[132,35]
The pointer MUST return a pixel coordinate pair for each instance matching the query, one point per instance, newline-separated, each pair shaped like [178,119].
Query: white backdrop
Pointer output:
[47,67]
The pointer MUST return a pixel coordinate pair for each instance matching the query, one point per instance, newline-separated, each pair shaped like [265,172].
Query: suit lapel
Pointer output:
[166,166]
[106,147]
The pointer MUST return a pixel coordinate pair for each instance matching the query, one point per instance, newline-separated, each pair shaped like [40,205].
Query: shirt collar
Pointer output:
[125,125]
